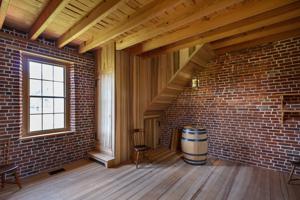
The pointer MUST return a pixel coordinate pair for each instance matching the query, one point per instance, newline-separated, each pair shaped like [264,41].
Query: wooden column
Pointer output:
[124,121]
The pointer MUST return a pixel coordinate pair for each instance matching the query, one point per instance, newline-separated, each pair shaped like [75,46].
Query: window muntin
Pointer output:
[47,99]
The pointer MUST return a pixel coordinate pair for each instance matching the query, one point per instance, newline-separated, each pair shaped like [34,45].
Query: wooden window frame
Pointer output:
[26,58]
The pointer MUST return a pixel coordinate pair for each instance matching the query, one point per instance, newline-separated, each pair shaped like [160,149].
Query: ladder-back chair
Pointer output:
[6,167]
[139,146]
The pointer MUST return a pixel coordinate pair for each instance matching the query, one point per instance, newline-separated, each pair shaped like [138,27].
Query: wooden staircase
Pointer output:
[181,79]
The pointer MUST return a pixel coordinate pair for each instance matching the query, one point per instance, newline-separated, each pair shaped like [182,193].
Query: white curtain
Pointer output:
[106,112]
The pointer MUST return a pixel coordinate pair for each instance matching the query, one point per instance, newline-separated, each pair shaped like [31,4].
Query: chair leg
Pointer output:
[18,180]
[137,160]
[2,180]
[291,174]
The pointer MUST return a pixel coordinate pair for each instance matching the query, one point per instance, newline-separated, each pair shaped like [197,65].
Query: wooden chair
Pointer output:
[139,146]
[6,168]
[295,163]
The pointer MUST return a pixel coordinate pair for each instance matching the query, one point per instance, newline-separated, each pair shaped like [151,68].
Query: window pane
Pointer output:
[47,105]
[35,70]
[47,88]
[47,121]
[35,87]
[35,122]
[59,105]
[59,121]
[47,72]
[35,105]
[58,73]
[58,89]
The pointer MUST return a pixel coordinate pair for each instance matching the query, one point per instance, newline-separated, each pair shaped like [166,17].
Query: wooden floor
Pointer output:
[166,178]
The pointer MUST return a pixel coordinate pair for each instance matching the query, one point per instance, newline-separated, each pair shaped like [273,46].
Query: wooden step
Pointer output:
[102,157]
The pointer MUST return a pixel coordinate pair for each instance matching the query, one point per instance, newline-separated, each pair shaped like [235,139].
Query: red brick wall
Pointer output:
[34,155]
[239,104]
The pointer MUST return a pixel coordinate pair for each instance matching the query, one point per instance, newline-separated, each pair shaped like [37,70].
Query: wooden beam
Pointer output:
[97,14]
[265,19]
[247,9]
[49,13]
[3,10]
[258,41]
[193,13]
[146,13]
[286,26]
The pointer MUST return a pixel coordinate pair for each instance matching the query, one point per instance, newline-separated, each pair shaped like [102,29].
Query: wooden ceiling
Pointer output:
[154,26]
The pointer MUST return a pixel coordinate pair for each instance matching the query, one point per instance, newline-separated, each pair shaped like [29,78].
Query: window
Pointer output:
[46,103]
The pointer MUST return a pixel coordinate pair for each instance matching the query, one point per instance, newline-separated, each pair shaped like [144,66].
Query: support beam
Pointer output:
[287,26]
[49,13]
[193,13]
[3,10]
[248,9]
[258,41]
[259,21]
[143,15]
[97,14]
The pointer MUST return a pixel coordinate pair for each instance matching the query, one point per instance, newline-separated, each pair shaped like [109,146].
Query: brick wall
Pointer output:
[239,104]
[34,155]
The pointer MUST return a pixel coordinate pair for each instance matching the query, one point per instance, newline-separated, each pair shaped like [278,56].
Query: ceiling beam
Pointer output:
[265,19]
[144,14]
[243,44]
[260,33]
[3,11]
[194,12]
[53,8]
[97,14]
[247,9]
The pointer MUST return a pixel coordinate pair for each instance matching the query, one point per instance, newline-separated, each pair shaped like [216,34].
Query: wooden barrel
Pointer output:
[194,145]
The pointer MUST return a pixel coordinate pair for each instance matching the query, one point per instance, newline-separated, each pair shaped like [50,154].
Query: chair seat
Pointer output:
[141,148]
[7,168]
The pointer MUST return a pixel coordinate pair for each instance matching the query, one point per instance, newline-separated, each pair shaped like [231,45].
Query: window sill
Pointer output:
[45,135]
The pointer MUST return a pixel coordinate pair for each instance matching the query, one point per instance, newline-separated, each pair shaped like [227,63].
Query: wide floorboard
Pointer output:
[168,177]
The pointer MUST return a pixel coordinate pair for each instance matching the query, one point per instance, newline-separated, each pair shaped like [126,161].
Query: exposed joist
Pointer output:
[260,33]
[49,13]
[193,13]
[246,43]
[104,9]
[144,14]
[265,19]
[247,9]
[3,10]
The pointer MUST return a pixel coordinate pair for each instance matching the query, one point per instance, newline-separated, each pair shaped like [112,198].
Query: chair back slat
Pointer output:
[138,137]
[4,151]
